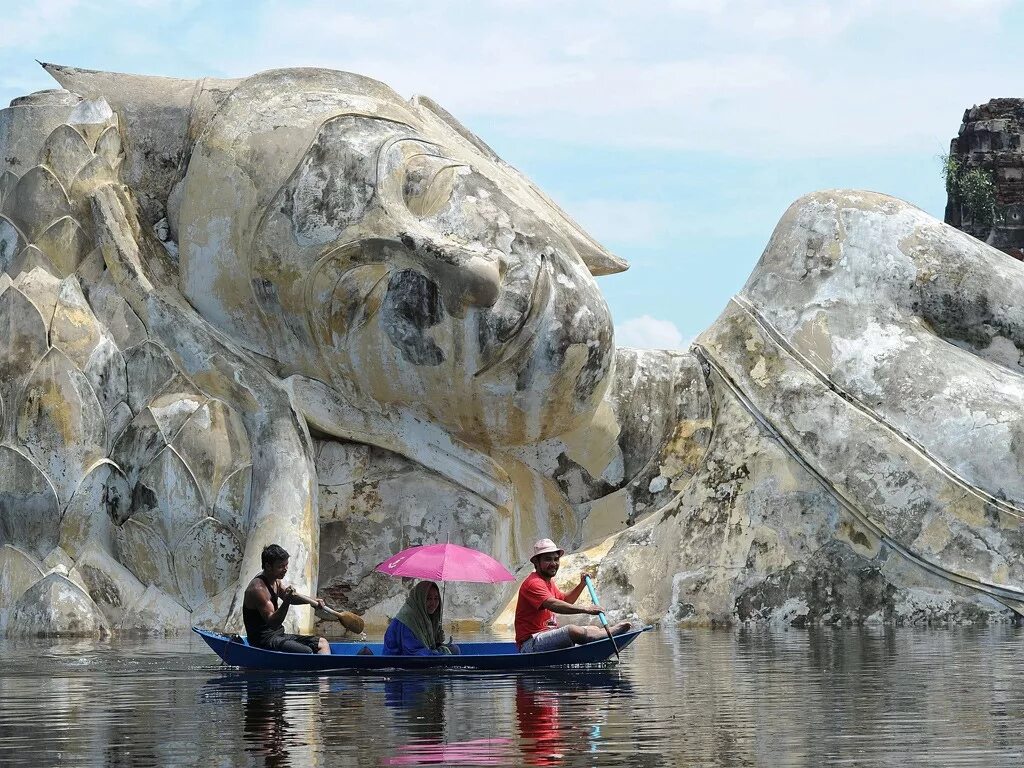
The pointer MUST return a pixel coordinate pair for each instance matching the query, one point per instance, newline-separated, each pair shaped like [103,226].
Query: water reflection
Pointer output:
[540,731]
[265,725]
[874,697]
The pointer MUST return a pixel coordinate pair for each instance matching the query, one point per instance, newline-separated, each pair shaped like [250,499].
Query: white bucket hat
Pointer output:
[544,546]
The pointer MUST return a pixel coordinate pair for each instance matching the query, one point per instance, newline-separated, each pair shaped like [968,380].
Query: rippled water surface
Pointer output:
[726,698]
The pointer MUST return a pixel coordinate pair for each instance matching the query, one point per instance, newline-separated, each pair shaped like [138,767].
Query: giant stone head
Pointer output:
[377,246]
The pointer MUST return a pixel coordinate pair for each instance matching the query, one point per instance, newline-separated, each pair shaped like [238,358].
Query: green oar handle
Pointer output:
[604,619]
[593,596]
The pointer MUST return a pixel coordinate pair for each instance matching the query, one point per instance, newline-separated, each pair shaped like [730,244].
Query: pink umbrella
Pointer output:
[445,562]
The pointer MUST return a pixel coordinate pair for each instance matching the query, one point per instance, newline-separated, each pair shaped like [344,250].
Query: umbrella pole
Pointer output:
[444,584]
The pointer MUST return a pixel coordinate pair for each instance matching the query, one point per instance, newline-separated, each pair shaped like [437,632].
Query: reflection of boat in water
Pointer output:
[484,656]
[545,737]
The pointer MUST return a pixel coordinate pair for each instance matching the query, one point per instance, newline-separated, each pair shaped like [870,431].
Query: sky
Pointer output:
[676,131]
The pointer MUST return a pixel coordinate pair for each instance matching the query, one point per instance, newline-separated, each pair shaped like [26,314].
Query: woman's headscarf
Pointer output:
[413,614]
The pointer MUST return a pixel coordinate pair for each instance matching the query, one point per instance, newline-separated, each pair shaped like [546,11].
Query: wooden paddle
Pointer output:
[351,621]
[601,616]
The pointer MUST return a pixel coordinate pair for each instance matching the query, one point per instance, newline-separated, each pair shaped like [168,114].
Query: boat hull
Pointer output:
[487,656]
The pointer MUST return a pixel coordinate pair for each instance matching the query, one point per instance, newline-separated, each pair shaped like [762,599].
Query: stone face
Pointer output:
[299,309]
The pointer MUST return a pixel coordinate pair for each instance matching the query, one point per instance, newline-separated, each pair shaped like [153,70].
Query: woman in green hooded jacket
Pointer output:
[416,630]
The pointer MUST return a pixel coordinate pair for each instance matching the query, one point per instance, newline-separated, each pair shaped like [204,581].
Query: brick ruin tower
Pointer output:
[990,141]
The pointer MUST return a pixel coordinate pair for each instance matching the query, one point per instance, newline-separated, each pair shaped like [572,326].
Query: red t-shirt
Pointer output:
[530,617]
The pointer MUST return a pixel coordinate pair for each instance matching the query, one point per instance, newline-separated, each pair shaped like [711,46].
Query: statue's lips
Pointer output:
[516,341]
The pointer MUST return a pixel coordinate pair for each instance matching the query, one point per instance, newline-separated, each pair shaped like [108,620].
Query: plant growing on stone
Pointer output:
[971,188]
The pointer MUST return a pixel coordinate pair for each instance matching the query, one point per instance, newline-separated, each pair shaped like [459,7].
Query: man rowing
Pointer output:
[266,605]
[539,600]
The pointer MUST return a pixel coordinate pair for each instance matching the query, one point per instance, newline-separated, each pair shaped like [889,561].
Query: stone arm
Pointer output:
[883,349]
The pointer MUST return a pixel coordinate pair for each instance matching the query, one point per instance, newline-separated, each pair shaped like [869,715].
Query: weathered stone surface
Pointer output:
[153,613]
[102,500]
[297,308]
[60,422]
[18,572]
[29,508]
[112,587]
[56,607]
[145,554]
[206,561]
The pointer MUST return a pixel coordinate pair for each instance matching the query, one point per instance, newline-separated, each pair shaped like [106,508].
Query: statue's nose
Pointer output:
[467,276]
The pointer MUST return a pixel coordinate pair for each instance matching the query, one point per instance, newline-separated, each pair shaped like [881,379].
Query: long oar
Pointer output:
[601,616]
[350,621]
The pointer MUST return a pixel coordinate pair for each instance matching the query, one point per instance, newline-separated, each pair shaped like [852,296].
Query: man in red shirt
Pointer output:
[539,601]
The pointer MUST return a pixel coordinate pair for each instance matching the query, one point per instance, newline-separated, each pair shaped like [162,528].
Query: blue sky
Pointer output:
[676,131]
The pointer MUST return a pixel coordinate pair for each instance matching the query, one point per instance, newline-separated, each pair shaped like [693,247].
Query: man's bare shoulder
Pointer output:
[257,589]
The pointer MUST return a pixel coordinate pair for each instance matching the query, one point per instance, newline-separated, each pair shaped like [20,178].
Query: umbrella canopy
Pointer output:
[445,562]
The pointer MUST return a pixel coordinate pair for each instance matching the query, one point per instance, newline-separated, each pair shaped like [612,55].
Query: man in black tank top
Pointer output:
[266,605]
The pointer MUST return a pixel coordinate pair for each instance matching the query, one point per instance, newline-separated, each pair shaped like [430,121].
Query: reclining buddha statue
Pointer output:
[297,308]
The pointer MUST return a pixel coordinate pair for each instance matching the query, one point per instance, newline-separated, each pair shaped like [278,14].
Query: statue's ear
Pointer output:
[159,118]
[598,259]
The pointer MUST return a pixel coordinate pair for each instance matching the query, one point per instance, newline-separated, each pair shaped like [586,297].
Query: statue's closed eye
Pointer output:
[429,183]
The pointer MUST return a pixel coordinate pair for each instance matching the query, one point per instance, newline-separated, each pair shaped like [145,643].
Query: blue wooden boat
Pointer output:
[492,656]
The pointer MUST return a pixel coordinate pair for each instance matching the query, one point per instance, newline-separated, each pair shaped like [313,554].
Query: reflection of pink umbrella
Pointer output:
[445,562]
[475,752]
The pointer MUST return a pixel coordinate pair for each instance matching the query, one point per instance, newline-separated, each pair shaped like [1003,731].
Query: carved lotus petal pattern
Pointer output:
[38,200]
[139,444]
[167,493]
[55,605]
[92,118]
[108,376]
[11,244]
[76,331]
[96,173]
[60,422]
[151,431]
[8,181]
[42,289]
[110,585]
[173,408]
[18,572]
[118,420]
[206,561]
[29,510]
[65,152]
[213,444]
[103,499]
[65,244]
[232,505]
[149,370]
[22,346]
[144,553]
[108,146]
[31,258]
[116,315]
[154,611]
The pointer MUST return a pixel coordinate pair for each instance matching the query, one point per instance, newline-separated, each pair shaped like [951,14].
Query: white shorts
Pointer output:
[550,640]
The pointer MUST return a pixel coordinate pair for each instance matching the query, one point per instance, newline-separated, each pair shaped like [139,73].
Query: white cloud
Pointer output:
[646,332]
[740,77]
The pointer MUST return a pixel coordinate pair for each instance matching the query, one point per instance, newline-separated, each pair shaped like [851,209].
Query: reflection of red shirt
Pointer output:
[530,617]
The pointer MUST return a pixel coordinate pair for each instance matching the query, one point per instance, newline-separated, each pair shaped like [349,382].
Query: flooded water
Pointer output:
[680,698]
